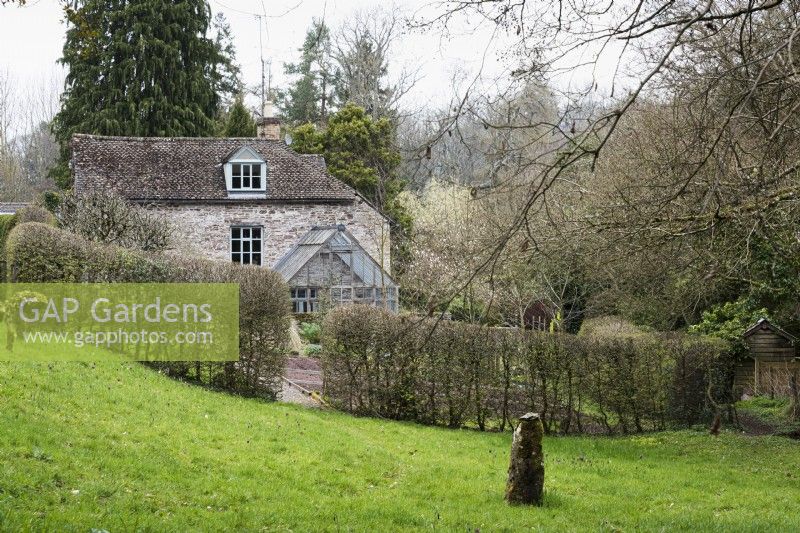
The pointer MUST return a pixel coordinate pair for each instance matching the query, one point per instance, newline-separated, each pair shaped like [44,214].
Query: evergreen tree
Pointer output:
[240,123]
[361,152]
[137,67]
[307,139]
[228,84]
[308,98]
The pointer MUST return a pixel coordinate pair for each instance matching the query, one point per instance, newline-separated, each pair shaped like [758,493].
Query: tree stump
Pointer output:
[526,472]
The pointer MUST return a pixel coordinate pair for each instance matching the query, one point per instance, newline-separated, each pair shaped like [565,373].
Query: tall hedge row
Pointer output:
[41,253]
[457,374]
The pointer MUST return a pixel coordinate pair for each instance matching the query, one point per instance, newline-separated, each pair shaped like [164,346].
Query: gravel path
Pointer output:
[306,372]
[293,394]
[302,376]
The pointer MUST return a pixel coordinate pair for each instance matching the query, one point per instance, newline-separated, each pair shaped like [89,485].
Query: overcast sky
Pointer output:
[31,39]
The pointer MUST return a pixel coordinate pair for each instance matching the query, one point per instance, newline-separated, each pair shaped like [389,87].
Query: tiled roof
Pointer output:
[191,168]
[316,159]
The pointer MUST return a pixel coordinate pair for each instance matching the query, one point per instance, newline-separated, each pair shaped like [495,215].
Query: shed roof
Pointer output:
[343,244]
[191,169]
[765,325]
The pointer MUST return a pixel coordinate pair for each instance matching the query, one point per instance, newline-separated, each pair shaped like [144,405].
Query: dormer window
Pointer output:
[246,173]
[246,177]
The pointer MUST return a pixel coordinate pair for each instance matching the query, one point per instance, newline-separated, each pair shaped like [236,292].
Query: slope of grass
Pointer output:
[121,448]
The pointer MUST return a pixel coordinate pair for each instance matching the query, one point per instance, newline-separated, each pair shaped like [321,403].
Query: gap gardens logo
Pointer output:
[119,321]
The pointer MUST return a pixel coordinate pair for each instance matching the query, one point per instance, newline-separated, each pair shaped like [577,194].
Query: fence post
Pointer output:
[526,471]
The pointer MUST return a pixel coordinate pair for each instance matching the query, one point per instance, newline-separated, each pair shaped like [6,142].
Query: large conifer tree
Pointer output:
[361,152]
[308,97]
[240,123]
[228,76]
[137,67]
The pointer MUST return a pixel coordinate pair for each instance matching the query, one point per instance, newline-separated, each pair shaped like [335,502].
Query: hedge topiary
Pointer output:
[460,374]
[40,253]
[7,223]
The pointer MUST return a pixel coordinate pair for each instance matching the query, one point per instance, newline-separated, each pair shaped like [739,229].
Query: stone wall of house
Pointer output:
[204,230]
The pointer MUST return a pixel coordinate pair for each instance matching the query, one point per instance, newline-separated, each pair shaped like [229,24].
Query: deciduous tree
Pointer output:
[362,52]
[690,158]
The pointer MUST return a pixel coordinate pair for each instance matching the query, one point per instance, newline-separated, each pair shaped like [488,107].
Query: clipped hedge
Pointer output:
[7,223]
[41,253]
[32,213]
[458,374]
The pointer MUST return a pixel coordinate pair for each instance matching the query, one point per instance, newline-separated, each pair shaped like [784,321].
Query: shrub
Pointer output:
[468,308]
[26,214]
[105,217]
[456,374]
[310,332]
[702,377]
[609,326]
[367,370]
[312,350]
[729,320]
[35,213]
[40,253]
[51,200]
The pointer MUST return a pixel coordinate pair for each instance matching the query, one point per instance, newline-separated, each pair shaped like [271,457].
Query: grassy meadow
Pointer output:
[118,447]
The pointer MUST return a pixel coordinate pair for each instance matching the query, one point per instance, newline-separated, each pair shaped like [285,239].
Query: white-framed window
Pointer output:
[246,173]
[246,245]
[304,299]
[247,176]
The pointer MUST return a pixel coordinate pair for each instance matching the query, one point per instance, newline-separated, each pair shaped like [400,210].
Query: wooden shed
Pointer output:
[773,361]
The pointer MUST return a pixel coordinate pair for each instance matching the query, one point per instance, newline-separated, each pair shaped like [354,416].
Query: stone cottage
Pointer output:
[251,201]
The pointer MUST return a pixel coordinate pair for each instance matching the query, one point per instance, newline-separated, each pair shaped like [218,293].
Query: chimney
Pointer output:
[269,126]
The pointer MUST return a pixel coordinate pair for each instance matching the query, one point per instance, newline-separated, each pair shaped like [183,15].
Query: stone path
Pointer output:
[303,376]
[306,372]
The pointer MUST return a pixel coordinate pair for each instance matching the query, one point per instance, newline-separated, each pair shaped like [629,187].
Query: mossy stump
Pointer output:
[526,472]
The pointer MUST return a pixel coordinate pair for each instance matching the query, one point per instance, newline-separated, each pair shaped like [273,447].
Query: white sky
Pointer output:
[31,39]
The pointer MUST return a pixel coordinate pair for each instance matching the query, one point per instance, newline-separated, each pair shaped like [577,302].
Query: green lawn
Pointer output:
[121,448]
